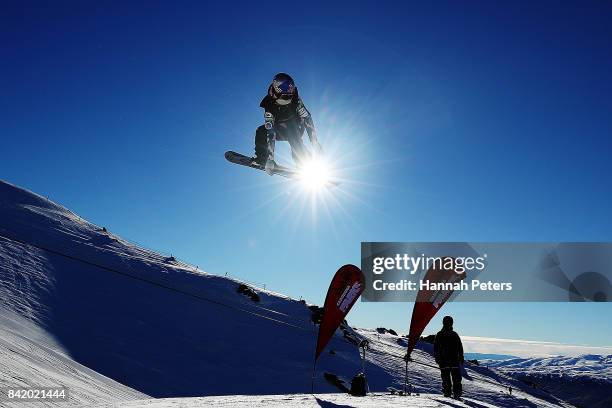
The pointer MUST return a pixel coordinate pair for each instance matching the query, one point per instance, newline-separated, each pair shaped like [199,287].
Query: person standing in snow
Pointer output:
[285,118]
[448,352]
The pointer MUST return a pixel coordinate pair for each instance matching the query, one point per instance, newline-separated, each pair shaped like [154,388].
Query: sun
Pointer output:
[314,174]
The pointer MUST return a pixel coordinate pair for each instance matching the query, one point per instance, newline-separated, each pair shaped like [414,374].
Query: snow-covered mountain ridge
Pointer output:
[585,381]
[584,365]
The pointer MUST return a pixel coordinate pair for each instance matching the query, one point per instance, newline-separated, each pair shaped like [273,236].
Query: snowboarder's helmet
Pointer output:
[282,89]
[447,321]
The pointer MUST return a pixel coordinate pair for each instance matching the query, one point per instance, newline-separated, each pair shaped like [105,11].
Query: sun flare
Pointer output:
[314,174]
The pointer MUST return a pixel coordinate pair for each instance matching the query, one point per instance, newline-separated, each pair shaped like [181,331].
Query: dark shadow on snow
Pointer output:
[327,404]
[474,404]
[448,403]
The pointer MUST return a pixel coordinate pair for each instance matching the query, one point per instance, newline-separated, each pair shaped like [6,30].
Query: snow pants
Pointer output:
[451,377]
[291,134]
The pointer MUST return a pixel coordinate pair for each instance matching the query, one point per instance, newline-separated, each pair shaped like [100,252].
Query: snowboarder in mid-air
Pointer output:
[285,118]
[448,352]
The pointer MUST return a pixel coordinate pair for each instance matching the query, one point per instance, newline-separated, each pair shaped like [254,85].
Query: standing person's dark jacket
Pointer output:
[448,350]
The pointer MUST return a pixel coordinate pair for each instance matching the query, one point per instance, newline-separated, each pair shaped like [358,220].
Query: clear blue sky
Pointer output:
[452,121]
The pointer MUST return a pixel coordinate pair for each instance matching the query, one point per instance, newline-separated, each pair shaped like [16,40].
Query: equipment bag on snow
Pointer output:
[359,385]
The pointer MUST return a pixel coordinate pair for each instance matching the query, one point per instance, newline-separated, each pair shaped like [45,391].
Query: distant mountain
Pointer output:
[584,381]
[484,356]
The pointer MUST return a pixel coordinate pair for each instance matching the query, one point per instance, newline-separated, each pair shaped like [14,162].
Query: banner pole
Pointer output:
[314,365]
[406,376]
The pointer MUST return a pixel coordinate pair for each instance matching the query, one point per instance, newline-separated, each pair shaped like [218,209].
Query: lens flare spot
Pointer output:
[314,174]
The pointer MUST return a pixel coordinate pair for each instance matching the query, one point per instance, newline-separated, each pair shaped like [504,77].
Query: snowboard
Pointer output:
[243,160]
[279,170]
[338,382]
[395,391]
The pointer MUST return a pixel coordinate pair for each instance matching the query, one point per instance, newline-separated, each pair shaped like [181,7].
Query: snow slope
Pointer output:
[166,329]
[143,319]
[585,381]
[29,357]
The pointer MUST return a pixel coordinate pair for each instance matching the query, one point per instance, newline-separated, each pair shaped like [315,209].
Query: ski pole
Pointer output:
[406,359]
[363,360]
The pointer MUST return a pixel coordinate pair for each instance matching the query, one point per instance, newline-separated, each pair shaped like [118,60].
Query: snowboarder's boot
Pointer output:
[269,166]
[258,161]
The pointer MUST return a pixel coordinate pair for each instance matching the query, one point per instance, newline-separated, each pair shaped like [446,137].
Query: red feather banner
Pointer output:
[344,290]
[428,302]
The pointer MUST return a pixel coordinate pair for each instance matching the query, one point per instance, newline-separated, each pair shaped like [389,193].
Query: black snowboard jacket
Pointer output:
[448,350]
[289,120]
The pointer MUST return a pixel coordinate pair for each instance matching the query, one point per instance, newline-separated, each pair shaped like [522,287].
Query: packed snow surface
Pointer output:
[305,401]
